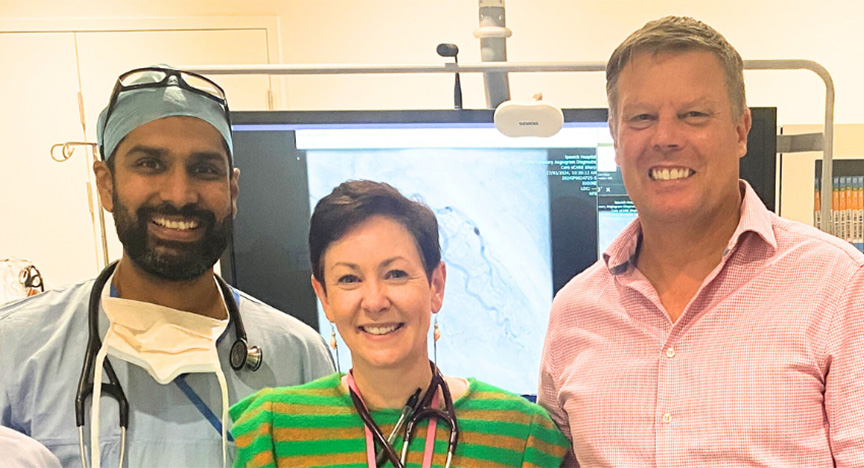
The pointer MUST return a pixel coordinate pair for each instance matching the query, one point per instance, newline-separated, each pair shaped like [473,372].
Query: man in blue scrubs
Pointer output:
[163,321]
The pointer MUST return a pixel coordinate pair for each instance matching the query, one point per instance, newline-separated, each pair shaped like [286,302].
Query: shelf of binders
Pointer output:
[847,200]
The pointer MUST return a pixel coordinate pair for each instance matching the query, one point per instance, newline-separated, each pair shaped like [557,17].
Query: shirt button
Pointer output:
[667,418]
[670,352]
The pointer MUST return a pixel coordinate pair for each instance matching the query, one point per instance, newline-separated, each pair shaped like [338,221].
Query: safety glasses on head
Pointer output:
[158,77]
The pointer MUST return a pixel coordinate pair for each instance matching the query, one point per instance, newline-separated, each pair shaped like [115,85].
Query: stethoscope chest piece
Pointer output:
[243,355]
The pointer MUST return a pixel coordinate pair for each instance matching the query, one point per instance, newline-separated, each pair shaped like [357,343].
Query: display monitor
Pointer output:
[518,217]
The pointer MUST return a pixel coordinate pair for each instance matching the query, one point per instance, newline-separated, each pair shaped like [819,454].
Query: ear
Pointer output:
[235,189]
[439,277]
[613,131]
[322,296]
[742,129]
[104,184]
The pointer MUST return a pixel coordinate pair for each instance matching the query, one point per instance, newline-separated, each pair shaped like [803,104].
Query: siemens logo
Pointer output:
[533,123]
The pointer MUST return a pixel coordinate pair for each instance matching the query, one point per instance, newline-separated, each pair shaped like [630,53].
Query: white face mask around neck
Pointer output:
[163,341]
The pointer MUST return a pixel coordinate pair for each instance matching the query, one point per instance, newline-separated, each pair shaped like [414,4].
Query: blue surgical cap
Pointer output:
[137,107]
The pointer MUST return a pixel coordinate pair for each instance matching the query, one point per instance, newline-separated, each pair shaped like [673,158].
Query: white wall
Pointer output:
[407,31]
[551,30]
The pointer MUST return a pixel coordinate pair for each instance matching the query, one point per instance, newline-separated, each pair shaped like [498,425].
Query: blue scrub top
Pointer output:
[43,341]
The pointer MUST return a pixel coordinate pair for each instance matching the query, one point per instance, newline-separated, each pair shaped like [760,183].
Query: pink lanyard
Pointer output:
[428,451]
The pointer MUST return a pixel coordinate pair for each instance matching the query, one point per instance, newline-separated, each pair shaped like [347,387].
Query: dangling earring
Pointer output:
[334,347]
[436,335]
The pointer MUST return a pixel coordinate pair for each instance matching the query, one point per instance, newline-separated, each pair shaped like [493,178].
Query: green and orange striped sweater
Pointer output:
[316,425]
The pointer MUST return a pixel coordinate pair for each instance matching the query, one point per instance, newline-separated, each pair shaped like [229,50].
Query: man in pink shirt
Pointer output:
[712,333]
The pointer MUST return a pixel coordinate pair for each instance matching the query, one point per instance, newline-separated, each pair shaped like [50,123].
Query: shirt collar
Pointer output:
[754,217]
[623,249]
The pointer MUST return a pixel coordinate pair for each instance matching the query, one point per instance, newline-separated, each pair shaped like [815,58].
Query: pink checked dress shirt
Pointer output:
[764,368]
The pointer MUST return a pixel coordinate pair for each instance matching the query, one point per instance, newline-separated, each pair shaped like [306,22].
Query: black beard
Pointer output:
[171,260]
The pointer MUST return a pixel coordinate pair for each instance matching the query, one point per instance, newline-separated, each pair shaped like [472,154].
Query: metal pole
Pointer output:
[493,35]
[336,69]
[828,140]
[346,69]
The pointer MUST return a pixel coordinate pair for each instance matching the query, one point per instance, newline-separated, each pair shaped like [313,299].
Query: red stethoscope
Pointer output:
[414,412]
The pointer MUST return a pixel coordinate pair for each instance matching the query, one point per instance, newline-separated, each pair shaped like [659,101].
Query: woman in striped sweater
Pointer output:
[378,273]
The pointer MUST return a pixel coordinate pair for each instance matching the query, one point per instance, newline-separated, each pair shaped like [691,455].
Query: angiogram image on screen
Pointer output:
[494,234]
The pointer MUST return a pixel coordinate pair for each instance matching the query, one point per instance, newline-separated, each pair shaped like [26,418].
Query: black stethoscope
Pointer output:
[417,413]
[241,355]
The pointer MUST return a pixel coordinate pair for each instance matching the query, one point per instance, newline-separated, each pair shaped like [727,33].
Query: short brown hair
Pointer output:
[678,34]
[355,201]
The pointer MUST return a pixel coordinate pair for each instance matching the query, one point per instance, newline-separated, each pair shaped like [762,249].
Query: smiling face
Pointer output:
[378,294]
[172,194]
[676,139]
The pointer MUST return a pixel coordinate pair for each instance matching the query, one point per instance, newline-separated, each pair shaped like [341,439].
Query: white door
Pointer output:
[44,213]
